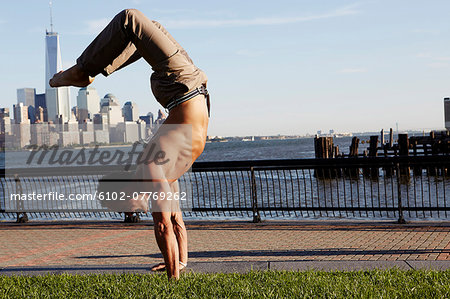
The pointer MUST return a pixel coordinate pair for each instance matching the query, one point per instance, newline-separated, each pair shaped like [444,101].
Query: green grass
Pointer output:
[267,284]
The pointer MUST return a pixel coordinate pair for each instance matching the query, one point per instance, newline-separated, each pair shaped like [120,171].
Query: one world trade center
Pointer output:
[58,99]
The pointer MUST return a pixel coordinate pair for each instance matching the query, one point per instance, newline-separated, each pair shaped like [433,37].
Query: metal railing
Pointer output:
[379,188]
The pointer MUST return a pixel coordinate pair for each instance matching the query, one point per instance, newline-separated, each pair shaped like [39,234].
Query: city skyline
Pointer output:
[97,122]
[299,67]
[83,102]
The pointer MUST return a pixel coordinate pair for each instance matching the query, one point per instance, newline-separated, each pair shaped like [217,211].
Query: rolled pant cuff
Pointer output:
[90,72]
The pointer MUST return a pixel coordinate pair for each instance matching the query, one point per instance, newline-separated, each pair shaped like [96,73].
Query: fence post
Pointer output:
[2,195]
[401,219]
[256,216]
[19,190]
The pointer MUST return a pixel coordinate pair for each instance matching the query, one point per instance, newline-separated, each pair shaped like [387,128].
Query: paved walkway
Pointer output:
[81,247]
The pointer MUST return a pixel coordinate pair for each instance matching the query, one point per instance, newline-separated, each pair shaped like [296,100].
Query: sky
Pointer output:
[287,67]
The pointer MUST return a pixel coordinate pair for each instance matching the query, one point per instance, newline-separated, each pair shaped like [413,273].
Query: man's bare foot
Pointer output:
[159,267]
[162,267]
[73,76]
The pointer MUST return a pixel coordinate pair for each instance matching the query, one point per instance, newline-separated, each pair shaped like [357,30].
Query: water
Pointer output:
[302,148]
[215,151]
[273,187]
[259,150]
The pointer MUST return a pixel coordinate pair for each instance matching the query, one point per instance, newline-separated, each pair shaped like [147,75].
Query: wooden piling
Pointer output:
[337,154]
[373,148]
[323,147]
[391,138]
[416,169]
[336,151]
[403,144]
[373,152]
[436,143]
[354,147]
[403,150]
[353,172]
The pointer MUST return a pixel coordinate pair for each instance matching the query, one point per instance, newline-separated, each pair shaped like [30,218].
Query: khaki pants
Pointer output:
[130,36]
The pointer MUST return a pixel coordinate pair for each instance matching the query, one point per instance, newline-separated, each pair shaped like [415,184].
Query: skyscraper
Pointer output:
[21,114]
[41,107]
[110,107]
[5,121]
[26,96]
[130,111]
[447,113]
[39,101]
[58,99]
[88,103]
[148,119]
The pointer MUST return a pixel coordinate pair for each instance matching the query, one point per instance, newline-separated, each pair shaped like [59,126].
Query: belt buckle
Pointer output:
[202,90]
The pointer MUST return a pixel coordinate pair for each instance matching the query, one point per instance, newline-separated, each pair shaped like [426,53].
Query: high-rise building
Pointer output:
[161,117]
[110,107]
[21,128]
[31,114]
[88,103]
[148,119]
[447,113]
[5,121]
[39,101]
[57,99]
[39,114]
[26,96]
[4,112]
[130,111]
[21,114]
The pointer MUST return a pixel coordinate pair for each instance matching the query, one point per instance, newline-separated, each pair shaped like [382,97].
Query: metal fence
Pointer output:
[377,188]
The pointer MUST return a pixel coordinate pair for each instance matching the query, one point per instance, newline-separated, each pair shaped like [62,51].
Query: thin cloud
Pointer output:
[433,57]
[249,53]
[173,11]
[340,12]
[434,61]
[91,27]
[95,26]
[426,31]
[353,70]
[442,58]
[223,14]
[423,55]
[37,29]
[438,65]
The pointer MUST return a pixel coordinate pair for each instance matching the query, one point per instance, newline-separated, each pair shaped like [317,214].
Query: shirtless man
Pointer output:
[177,85]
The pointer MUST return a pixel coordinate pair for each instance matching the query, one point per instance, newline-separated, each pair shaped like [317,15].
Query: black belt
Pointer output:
[199,90]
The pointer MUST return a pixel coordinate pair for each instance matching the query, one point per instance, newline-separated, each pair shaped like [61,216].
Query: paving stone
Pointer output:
[76,269]
[85,243]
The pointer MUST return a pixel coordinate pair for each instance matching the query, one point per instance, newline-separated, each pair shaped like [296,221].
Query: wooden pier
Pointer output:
[435,143]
